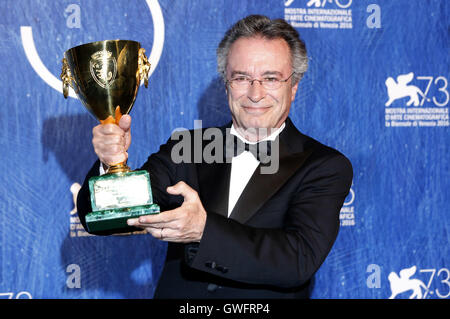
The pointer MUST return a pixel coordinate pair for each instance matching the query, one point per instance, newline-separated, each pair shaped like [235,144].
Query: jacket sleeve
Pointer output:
[287,256]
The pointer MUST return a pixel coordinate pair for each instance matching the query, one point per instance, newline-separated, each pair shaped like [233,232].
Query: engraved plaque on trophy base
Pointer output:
[118,197]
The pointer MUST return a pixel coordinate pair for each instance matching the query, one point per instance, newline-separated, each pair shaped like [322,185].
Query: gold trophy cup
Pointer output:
[106,76]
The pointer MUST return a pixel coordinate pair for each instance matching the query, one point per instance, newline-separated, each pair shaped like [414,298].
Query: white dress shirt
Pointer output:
[242,168]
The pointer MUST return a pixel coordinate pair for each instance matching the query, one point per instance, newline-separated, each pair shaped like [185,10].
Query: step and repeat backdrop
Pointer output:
[377,90]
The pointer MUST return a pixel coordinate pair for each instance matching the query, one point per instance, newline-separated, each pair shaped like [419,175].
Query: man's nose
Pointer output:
[256,91]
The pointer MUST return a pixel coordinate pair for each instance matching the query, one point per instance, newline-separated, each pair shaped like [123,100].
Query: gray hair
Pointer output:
[258,25]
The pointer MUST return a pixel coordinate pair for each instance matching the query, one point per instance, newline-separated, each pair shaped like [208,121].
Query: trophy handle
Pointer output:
[143,67]
[66,77]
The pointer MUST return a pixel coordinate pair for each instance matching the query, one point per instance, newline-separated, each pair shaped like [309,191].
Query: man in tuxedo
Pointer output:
[235,231]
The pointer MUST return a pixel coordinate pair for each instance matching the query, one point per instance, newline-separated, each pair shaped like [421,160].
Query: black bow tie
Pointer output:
[261,150]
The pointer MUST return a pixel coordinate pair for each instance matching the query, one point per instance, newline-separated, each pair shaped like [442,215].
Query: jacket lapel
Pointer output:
[262,187]
[214,181]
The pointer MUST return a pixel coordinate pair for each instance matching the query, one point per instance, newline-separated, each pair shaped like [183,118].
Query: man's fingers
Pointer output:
[110,153]
[165,234]
[163,219]
[125,125]
[181,188]
[107,129]
[112,141]
[125,122]
[115,159]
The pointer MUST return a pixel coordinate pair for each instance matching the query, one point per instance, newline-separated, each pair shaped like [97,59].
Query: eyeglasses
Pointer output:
[269,83]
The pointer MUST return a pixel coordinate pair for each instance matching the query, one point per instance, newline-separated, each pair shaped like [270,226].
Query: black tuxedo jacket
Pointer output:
[278,234]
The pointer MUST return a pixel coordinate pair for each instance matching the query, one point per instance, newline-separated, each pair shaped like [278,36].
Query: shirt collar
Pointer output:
[271,137]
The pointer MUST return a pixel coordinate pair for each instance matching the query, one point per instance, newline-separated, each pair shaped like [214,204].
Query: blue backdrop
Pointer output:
[376,89]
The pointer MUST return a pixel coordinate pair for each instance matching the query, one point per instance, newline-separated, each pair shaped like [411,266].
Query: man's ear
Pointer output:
[294,91]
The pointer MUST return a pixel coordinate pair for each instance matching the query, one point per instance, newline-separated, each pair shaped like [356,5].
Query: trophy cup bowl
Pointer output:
[106,76]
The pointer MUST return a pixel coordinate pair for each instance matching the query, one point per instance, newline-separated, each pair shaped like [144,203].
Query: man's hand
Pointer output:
[183,225]
[112,141]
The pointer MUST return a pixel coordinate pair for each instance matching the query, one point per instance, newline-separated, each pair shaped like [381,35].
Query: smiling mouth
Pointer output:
[255,109]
